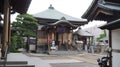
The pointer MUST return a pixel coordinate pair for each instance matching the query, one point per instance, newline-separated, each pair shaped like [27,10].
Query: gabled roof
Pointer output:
[52,14]
[64,23]
[83,33]
[60,23]
[105,10]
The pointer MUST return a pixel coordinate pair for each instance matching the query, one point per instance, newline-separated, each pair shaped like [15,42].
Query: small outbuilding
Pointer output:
[84,36]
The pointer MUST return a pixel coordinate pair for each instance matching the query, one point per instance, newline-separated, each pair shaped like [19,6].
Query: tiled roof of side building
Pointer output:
[83,33]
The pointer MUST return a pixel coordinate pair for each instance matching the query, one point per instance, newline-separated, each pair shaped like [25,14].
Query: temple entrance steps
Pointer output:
[15,64]
[64,52]
[64,48]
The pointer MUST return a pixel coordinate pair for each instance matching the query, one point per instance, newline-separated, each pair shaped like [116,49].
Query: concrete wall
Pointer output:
[116,45]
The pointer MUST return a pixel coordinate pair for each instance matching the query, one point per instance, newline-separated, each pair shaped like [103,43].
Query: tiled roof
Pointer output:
[51,13]
[83,33]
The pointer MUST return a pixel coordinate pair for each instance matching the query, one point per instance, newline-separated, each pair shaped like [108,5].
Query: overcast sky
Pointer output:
[74,8]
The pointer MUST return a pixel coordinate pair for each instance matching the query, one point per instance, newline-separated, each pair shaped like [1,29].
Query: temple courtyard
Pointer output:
[43,60]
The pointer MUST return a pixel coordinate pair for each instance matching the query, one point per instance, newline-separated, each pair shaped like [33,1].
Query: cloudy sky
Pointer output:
[74,8]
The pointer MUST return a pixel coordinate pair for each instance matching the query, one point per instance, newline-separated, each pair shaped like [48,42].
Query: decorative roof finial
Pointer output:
[51,7]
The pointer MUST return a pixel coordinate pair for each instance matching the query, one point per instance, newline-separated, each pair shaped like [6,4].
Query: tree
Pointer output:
[102,35]
[25,25]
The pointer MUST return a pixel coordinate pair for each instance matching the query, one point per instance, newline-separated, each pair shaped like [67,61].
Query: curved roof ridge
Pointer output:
[63,21]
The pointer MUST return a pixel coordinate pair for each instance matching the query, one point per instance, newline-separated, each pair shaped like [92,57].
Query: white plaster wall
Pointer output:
[116,45]
[116,39]
[116,59]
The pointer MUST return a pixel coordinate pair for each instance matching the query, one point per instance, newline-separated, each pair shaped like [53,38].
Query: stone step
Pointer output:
[18,66]
[14,62]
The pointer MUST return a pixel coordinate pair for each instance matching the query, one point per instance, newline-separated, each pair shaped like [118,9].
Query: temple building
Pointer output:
[55,27]
[108,10]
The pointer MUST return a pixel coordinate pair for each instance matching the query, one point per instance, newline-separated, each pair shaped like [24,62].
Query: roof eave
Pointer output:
[90,8]
[20,6]
[111,25]
[96,7]
[71,21]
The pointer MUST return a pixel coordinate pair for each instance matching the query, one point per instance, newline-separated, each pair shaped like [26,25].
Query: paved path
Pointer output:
[37,61]
[74,65]
[31,60]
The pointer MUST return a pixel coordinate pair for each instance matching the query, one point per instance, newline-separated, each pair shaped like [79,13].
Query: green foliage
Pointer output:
[16,42]
[13,45]
[25,25]
[102,36]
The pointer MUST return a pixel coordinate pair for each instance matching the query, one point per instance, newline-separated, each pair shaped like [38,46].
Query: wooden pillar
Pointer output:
[48,41]
[62,38]
[9,32]
[5,27]
[110,46]
[89,41]
[53,36]
[70,36]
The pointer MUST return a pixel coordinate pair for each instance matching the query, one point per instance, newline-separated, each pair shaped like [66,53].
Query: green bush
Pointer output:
[16,43]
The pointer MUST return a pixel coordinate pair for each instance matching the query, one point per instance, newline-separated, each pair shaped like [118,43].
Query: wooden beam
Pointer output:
[102,11]
[116,50]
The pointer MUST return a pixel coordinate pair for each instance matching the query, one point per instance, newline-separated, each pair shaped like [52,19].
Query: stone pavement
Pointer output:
[88,59]
[44,60]
[74,65]
[31,60]
[37,61]
[85,57]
